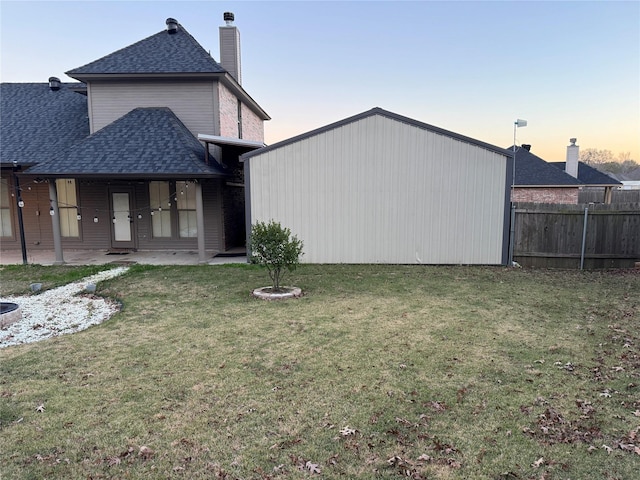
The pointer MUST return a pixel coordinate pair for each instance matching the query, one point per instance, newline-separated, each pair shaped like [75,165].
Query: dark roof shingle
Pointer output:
[533,170]
[37,122]
[146,142]
[176,53]
[589,175]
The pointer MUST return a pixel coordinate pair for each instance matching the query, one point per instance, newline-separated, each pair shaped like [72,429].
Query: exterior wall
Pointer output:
[252,125]
[381,191]
[228,112]
[192,102]
[93,201]
[545,195]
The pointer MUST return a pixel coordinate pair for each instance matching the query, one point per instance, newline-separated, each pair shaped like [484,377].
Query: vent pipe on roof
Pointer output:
[573,157]
[54,83]
[230,47]
[526,147]
[172,25]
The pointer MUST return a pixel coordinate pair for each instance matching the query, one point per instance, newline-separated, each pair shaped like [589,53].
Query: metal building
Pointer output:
[382,188]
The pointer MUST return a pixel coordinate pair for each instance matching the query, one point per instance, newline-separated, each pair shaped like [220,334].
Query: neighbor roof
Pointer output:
[589,175]
[532,170]
[164,52]
[144,143]
[384,113]
[37,122]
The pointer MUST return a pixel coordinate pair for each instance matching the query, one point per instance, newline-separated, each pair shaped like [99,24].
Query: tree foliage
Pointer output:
[273,247]
[606,161]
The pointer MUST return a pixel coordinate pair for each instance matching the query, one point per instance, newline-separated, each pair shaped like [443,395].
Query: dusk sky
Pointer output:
[571,69]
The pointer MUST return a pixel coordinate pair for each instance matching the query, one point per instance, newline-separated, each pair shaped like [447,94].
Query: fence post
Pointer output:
[584,236]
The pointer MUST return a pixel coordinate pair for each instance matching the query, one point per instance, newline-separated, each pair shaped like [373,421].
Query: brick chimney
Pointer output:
[230,47]
[573,156]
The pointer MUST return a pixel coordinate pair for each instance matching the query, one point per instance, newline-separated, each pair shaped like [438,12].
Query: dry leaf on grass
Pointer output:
[312,467]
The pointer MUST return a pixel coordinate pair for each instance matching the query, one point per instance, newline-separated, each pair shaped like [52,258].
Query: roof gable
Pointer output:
[37,122]
[146,142]
[162,53]
[387,114]
[589,175]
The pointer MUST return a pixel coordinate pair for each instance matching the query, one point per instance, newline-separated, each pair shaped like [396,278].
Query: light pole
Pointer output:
[516,124]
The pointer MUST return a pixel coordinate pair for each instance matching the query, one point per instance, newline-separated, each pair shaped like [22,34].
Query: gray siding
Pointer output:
[192,102]
[381,191]
[94,202]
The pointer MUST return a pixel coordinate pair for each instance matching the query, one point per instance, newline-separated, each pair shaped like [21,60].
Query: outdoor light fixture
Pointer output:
[51,212]
[95,219]
[139,216]
[20,202]
[114,219]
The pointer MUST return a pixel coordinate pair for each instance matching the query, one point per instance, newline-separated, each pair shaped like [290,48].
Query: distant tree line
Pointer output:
[606,161]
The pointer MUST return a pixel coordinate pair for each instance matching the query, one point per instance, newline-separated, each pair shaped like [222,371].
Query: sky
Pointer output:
[570,69]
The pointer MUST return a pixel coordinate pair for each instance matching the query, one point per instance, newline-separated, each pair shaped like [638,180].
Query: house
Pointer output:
[379,187]
[141,153]
[539,181]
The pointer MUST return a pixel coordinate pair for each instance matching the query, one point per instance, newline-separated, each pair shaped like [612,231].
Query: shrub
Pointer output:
[273,247]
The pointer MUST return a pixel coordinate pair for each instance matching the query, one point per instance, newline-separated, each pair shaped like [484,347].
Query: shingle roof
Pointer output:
[144,143]
[533,170]
[589,175]
[160,53]
[38,122]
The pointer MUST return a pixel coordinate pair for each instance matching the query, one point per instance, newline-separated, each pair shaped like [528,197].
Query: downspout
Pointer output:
[55,222]
[247,207]
[509,213]
[20,204]
[202,256]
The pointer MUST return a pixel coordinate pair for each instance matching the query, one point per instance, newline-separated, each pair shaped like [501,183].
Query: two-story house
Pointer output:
[142,153]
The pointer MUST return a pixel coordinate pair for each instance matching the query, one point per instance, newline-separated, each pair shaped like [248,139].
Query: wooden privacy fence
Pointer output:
[575,236]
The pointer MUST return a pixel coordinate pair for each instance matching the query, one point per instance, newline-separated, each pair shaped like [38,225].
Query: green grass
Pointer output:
[438,372]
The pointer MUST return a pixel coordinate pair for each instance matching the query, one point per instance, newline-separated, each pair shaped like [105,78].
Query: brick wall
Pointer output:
[545,195]
[252,125]
[228,112]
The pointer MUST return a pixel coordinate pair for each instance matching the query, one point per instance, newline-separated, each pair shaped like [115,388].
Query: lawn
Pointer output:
[377,372]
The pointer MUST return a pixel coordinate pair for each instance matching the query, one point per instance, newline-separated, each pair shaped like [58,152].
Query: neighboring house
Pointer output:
[142,154]
[539,181]
[382,188]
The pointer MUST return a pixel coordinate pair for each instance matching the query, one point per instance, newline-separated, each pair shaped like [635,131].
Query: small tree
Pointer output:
[273,247]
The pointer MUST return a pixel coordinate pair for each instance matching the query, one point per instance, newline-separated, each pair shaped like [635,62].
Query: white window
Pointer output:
[186,195]
[5,210]
[68,207]
[160,200]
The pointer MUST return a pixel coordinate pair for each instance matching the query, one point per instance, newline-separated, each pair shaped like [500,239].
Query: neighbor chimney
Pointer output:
[573,155]
[230,47]
[54,83]
[172,25]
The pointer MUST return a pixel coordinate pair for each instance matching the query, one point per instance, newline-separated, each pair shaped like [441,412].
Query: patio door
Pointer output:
[122,232]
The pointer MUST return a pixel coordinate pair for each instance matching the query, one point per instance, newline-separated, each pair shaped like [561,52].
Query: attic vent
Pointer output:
[54,83]
[228,18]
[172,25]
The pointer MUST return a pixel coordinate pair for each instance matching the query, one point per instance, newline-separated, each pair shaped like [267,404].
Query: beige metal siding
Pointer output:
[192,102]
[381,191]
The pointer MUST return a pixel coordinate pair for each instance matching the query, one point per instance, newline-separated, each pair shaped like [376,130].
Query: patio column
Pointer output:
[55,222]
[202,256]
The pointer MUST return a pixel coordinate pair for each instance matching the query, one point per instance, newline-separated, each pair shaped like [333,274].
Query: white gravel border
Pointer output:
[59,311]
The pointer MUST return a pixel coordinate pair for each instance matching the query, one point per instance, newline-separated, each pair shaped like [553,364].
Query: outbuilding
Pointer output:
[379,187]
